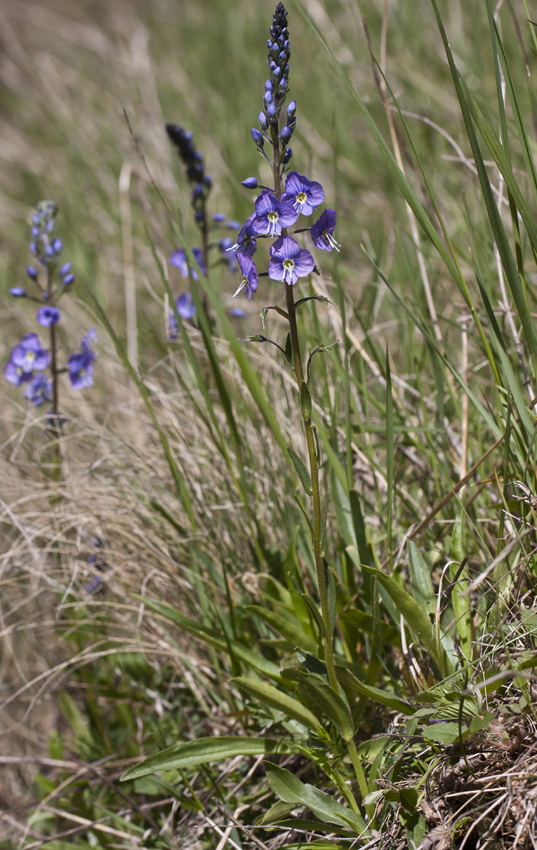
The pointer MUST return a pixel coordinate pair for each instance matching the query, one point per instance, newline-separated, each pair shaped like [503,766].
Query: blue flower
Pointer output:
[48,316]
[29,355]
[65,269]
[179,260]
[31,272]
[238,313]
[18,292]
[39,390]
[186,309]
[249,275]
[271,215]
[321,231]
[86,343]
[16,375]
[226,244]
[306,195]
[250,183]
[288,261]
[80,366]
[246,241]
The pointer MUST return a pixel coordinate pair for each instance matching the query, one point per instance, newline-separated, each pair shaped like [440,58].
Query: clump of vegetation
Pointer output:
[252,596]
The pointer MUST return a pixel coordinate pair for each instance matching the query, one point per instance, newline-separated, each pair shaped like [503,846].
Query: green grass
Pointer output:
[204,649]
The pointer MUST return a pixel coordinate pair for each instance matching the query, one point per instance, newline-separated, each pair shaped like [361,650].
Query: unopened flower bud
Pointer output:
[282,58]
[69,279]
[36,219]
[35,232]
[257,137]
[208,180]
[263,123]
[282,87]
[268,85]
[291,109]
[288,155]
[49,226]
[65,269]
[57,245]
[31,272]
[18,292]
[277,73]
[268,97]
[250,183]
[291,123]
[271,113]
[49,252]
[33,248]
[285,135]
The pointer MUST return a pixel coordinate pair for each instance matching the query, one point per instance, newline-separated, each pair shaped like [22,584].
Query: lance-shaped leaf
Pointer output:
[269,695]
[287,626]
[301,471]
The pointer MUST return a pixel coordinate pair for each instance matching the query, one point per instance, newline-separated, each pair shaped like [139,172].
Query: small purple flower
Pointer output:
[48,316]
[86,343]
[246,242]
[178,259]
[272,215]
[288,261]
[94,584]
[80,366]
[33,248]
[238,313]
[31,272]
[226,244]
[39,390]
[15,375]
[219,217]
[257,137]
[249,275]
[250,183]
[185,306]
[322,230]
[28,354]
[306,195]
[57,245]
[18,292]
[65,269]
[69,278]
[233,225]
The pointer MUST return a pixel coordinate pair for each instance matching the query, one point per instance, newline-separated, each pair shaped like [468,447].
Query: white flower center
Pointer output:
[29,358]
[288,266]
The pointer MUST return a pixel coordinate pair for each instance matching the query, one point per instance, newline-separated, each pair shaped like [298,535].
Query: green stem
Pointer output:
[314,466]
[358,769]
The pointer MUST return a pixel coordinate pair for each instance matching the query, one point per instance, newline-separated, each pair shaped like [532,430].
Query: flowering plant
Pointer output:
[28,360]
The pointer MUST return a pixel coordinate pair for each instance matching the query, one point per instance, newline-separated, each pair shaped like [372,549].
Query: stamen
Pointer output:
[244,282]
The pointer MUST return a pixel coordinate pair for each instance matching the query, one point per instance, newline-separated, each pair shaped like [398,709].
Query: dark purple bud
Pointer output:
[233,225]
[49,251]
[65,269]
[49,226]
[31,272]
[198,215]
[277,73]
[268,85]
[208,180]
[69,278]
[285,135]
[267,99]
[269,44]
[219,217]
[282,87]
[282,58]
[286,71]
[250,183]
[263,123]
[33,248]
[35,232]
[57,245]
[291,109]
[288,155]
[271,113]
[36,219]
[272,65]
[286,45]
[18,292]
[291,123]
[197,192]
[257,137]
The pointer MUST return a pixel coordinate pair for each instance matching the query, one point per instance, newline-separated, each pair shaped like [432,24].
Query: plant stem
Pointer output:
[358,769]
[314,465]
[56,463]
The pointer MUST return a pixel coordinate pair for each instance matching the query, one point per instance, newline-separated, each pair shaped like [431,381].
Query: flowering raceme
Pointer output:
[50,283]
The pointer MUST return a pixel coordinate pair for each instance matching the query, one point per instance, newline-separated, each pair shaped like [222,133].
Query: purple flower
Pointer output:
[48,316]
[233,225]
[178,259]
[86,343]
[39,390]
[249,275]
[257,137]
[57,245]
[185,306]
[288,261]
[18,292]
[271,215]
[28,354]
[238,312]
[322,230]
[65,269]
[219,217]
[69,278]
[226,244]
[246,241]
[80,366]
[250,183]
[305,194]
[31,272]
[15,375]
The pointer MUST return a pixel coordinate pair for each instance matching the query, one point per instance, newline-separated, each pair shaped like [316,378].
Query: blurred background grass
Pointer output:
[67,73]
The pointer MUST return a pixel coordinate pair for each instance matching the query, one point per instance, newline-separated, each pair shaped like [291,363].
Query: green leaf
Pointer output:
[305,402]
[420,577]
[301,471]
[349,680]
[331,598]
[269,695]
[324,697]
[364,622]
[287,626]
[290,789]
[207,635]
[205,750]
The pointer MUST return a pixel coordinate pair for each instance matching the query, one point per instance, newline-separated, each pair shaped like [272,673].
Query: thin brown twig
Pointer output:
[238,824]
